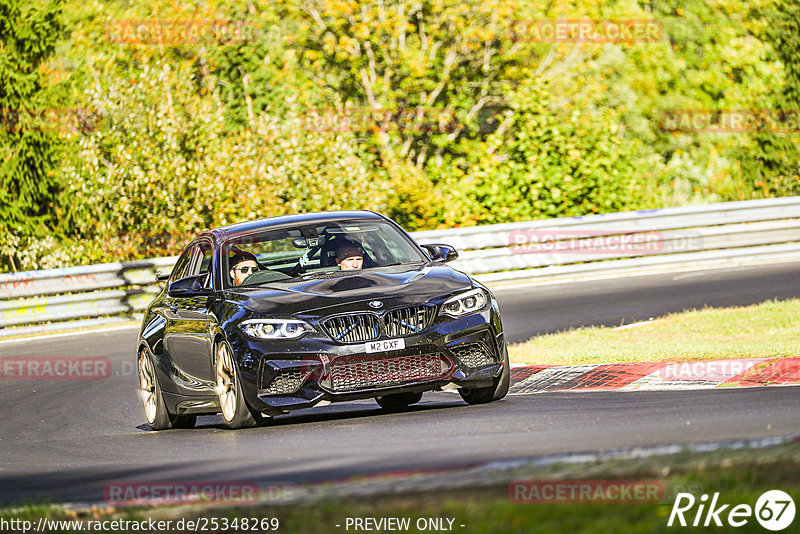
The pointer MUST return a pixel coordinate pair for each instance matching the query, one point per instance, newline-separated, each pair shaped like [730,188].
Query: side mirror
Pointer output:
[440,252]
[161,277]
[191,286]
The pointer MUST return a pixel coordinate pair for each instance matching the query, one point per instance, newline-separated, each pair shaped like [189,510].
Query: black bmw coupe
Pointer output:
[260,318]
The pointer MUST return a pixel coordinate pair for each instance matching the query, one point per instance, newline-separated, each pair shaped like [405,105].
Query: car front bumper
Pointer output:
[288,375]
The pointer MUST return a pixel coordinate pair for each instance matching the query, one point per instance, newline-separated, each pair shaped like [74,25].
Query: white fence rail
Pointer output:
[534,250]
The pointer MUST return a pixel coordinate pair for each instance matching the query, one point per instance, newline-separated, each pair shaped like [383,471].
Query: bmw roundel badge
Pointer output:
[376,304]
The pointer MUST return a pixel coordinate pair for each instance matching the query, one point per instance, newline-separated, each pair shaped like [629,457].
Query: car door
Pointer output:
[188,331]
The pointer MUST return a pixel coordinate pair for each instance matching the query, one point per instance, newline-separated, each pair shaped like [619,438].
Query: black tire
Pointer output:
[155,410]
[234,408]
[496,391]
[398,401]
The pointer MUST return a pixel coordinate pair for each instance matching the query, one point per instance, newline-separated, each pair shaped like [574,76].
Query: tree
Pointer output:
[772,164]
[547,162]
[422,72]
[29,145]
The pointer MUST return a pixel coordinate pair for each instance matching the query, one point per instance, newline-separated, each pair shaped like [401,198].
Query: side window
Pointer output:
[181,269]
[204,261]
[201,259]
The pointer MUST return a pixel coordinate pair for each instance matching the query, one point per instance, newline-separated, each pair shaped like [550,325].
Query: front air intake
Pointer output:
[473,355]
[286,381]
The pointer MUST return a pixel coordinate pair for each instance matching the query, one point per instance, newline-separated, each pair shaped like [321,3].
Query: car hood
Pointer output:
[394,286]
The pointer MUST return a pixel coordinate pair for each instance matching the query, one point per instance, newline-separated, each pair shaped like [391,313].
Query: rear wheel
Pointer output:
[235,411]
[155,410]
[398,401]
[496,391]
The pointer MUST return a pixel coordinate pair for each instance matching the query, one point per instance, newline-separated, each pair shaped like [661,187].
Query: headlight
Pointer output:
[465,303]
[275,328]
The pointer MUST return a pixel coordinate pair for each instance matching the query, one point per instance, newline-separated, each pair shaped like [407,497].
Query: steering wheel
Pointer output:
[299,267]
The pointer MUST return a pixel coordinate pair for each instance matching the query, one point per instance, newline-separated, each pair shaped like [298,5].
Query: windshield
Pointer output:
[315,249]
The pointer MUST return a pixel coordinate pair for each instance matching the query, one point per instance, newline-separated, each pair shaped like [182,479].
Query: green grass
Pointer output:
[766,330]
[739,475]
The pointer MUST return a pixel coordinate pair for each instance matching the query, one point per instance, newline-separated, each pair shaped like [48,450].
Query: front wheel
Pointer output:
[235,411]
[496,391]
[155,410]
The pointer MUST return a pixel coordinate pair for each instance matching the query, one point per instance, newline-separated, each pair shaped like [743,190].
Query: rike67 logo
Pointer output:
[774,510]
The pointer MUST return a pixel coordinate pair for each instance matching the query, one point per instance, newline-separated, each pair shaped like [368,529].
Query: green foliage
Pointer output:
[547,162]
[433,67]
[162,166]
[256,73]
[783,31]
[147,166]
[413,199]
[29,148]
[435,112]
[771,165]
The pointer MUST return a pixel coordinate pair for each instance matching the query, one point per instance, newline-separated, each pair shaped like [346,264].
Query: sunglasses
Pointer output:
[246,269]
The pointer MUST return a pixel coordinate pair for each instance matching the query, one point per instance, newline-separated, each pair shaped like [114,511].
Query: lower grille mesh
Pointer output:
[364,374]
[473,355]
[287,381]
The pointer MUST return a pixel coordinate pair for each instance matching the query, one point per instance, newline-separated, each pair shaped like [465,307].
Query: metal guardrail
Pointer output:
[109,289]
[592,245]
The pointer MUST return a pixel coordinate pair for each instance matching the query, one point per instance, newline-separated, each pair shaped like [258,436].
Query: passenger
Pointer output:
[350,256]
[243,264]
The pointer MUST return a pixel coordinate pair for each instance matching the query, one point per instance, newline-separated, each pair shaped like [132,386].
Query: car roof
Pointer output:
[239,229]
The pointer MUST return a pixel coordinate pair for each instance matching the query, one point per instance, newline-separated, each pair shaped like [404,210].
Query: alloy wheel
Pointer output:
[226,382]
[147,383]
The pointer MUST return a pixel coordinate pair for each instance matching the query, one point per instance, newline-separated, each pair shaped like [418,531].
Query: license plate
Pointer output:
[385,345]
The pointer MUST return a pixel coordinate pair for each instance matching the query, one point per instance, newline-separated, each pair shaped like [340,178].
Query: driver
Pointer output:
[349,256]
[243,264]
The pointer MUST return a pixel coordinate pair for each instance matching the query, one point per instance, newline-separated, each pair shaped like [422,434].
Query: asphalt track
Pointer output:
[65,440]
